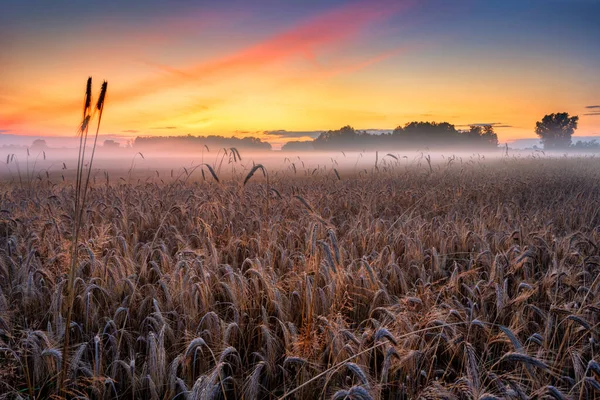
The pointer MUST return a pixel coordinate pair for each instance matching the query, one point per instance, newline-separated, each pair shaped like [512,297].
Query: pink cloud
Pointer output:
[357,66]
[304,39]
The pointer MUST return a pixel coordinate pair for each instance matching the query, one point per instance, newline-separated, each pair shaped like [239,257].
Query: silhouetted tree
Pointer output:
[482,134]
[306,145]
[555,130]
[345,137]
[413,134]
[194,143]
[428,133]
[586,145]
[474,132]
[345,133]
[39,145]
[111,144]
[489,135]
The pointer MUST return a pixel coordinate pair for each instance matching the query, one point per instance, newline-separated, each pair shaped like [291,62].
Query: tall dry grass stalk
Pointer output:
[81,189]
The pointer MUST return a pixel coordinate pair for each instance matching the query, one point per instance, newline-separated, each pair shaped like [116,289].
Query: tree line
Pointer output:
[195,143]
[413,134]
[554,130]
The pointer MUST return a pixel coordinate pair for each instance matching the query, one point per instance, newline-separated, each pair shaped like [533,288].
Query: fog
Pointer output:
[121,163]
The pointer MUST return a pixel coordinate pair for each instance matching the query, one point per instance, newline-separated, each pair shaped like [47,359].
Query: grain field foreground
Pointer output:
[474,280]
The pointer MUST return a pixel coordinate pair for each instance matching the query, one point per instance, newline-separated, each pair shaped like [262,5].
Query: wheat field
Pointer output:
[468,279]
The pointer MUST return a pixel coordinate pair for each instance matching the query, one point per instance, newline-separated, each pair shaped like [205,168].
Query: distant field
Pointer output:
[351,277]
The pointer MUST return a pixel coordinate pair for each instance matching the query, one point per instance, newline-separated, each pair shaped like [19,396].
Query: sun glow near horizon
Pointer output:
[235,71]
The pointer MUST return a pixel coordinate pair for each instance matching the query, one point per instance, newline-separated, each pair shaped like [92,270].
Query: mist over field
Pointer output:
[121,162]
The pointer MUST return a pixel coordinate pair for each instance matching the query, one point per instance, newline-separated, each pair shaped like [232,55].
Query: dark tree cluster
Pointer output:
[195,143]
[299,145]
[38,145]
[411,135]
[587,145]
[111,144]
[555,130]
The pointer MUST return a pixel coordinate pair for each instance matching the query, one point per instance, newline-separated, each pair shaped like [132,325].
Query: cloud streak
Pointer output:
[304,39]
[11,120]
[292,134]
[492,124]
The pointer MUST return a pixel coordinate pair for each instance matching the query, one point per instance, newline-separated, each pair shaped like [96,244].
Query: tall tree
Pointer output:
[474,132]
[489,135]
[431,133]
[482,135]
[556,130]
[345,136]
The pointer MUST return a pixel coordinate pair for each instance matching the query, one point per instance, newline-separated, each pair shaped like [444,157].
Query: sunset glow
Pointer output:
[249,68]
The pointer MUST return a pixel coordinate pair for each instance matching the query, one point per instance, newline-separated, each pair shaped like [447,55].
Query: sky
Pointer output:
[284,70]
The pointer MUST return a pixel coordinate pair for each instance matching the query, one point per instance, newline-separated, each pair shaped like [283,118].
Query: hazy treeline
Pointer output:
[413,134]
[194,143]
[589,145]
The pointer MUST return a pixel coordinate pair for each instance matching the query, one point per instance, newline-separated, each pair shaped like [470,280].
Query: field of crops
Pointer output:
[467,279]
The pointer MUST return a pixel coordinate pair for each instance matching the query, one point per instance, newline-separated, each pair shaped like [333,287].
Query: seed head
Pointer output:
[100,103]
[88,94]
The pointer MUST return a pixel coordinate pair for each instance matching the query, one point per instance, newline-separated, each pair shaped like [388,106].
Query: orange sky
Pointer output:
[242,71]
